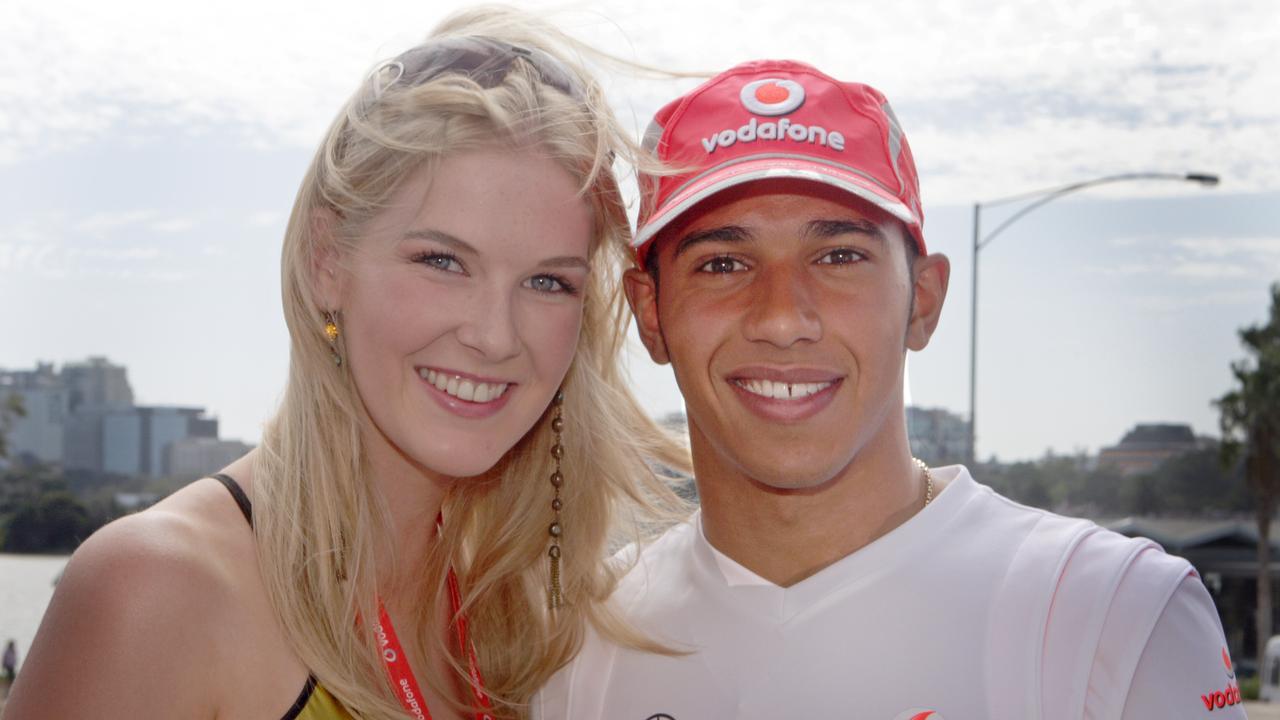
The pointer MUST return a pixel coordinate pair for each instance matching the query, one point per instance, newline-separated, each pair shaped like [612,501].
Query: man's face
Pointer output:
[785,310]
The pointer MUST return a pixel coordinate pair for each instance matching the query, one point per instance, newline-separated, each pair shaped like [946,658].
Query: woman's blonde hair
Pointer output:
[318,519]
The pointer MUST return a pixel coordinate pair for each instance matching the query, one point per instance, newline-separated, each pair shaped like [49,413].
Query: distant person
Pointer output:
[783,274]
[9,664]
[422,531]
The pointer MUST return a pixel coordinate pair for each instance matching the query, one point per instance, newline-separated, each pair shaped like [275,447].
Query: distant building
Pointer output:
[937,436]
[38,435]
[84,418]
[1146,446]
[134,441]
[95,388]
[194,457]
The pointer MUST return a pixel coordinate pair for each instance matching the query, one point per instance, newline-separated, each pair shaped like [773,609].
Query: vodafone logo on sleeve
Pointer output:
[1228,696]
[772,96]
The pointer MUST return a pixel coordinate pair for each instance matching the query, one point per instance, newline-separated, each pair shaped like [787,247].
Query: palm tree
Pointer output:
[1250,422]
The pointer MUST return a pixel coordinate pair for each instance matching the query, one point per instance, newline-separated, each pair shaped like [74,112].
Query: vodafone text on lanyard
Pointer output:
[401,674]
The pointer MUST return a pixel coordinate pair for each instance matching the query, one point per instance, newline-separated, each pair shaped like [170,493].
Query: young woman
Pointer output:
[422,532]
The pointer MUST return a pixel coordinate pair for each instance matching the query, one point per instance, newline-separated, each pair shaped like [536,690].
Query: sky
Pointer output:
[150,152]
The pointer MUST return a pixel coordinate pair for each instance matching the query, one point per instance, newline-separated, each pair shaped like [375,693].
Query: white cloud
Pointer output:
[125,244]
[996,96]
[108,221]
[265,218]
[173,225]
[1198,258]
[1260,248]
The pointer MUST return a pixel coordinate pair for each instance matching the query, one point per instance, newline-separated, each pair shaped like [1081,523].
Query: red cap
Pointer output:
[778,119]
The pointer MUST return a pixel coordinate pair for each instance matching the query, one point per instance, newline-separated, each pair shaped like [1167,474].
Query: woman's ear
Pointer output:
[326,259]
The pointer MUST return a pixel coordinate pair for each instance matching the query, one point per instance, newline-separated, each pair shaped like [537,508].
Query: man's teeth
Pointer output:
[781,390]
[469,390]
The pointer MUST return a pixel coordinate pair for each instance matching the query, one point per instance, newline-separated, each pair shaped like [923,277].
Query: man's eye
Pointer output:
[722,265]
[841,256]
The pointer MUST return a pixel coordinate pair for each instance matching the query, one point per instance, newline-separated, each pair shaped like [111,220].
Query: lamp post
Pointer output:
[1034,200]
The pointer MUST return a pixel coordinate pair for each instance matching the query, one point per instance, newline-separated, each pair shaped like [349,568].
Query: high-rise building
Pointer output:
[95,388]
[83,417]
[136,441]
[36,436]
[96,384]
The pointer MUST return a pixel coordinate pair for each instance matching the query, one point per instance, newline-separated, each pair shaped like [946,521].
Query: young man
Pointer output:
[784,275]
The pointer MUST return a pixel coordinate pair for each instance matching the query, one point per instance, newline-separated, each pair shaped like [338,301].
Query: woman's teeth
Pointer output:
[468,390]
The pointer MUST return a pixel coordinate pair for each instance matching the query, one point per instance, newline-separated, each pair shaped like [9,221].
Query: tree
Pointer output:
[10,409]
[57,522]
[1250,421]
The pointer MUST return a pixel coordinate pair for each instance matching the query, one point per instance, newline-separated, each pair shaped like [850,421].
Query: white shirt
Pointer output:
[976,608]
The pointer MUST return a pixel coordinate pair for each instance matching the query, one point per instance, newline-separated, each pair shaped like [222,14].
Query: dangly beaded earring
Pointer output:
[557,480]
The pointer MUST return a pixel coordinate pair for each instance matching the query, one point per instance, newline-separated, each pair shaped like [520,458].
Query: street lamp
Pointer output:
[1034,200]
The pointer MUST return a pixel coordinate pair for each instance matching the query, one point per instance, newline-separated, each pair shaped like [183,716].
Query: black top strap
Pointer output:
[237,493]
[304,697]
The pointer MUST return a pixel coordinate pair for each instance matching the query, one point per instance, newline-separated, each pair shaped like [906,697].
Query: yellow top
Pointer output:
[316,703]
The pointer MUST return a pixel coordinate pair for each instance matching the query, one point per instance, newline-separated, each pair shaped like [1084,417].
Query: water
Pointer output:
[26,585]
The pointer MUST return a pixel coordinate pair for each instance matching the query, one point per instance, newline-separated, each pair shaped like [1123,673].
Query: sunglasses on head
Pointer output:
[485,61]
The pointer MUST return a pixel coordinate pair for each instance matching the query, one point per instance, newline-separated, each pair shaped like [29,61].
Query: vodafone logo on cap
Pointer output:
[772,96]
[919,714]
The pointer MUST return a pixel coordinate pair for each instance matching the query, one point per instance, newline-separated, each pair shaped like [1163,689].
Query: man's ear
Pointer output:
[642,295]
[932,273]
[326,260]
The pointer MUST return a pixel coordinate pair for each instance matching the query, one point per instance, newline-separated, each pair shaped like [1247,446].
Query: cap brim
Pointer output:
[746,171]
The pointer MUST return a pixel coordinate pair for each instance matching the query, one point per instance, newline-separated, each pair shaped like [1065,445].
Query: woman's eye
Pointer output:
[440,261]
[722,265]
[549,284]
[841,256]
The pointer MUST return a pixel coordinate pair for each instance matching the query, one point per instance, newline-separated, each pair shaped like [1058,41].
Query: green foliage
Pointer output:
[1250,412]
[1250,421]
[57,522]
[11,409]
[1192,484]
[38,514]
[1250,687]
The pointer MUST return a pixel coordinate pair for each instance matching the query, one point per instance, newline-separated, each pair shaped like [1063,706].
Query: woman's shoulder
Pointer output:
[146,599]
[175,567]
[179,547]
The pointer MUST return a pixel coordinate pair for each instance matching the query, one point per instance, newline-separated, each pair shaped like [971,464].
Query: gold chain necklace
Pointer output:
[928,480]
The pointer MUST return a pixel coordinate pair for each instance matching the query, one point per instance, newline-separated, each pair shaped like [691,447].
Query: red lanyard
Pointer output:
[401,674]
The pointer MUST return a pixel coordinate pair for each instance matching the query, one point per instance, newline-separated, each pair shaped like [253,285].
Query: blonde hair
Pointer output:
[317,519]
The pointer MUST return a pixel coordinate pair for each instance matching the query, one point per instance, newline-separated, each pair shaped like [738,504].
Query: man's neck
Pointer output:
[785,536]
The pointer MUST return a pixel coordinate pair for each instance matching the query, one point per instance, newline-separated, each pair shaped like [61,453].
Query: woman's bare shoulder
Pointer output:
[142,603]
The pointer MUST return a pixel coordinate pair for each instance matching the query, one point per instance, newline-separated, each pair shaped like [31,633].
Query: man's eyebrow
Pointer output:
[444,238]
[836,228]
[441,237]
[724,233]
